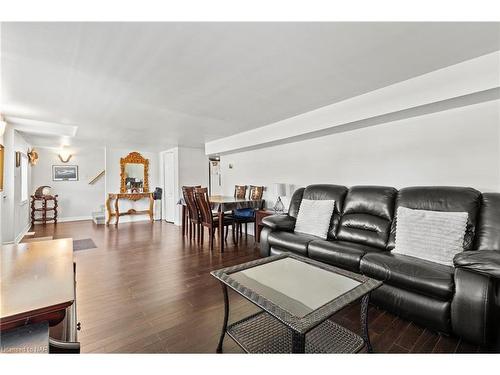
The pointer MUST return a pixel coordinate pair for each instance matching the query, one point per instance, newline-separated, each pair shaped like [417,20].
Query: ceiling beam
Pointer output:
[470,79]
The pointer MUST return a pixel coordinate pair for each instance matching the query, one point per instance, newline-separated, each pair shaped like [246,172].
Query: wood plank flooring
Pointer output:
[148,289]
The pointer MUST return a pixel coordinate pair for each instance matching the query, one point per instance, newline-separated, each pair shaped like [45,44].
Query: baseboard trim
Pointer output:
[22,233]
[66,219]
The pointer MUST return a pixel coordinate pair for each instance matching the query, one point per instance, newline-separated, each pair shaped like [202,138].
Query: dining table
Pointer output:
[222,204]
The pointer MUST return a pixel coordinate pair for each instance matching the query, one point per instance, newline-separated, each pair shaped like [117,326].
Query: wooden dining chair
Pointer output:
[207,217]
[240,191]
[247,215]
[194,219]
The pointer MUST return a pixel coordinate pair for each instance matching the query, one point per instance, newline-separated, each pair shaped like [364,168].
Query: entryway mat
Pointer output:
[84,244]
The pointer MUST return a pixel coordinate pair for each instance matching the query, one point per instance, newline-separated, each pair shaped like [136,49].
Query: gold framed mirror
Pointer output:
[134,174]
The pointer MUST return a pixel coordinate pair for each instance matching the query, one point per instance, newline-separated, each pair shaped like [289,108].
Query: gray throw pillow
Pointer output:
[314,217]
[431,235]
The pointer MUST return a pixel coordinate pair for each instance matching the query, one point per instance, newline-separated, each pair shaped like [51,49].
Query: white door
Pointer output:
[169,183]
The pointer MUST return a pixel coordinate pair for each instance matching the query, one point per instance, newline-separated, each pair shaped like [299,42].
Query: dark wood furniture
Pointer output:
[131,197]
[208,220]
[37,282]
[221,204]
[240,191]
[193,213]
[44,209]
[259,215]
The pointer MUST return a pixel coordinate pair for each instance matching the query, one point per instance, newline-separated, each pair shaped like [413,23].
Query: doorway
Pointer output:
[169,184]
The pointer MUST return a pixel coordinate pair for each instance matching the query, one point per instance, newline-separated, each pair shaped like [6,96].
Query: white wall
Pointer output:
[191,169]
[77,199]
[112,180]
[455,147]
[15,214]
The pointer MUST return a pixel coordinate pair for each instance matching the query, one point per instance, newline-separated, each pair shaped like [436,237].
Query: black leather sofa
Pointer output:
[463,300]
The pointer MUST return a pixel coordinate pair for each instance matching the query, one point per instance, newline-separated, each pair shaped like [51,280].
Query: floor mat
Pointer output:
[84,244]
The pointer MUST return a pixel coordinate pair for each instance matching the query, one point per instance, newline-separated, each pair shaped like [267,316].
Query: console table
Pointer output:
[131,197]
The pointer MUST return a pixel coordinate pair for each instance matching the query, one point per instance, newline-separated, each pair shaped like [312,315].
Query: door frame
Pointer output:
[176,196]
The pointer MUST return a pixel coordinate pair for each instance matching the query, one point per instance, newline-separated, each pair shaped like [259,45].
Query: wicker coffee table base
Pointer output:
[261,333]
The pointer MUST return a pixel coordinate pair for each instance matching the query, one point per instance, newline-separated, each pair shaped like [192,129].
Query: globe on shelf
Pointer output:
[42,190]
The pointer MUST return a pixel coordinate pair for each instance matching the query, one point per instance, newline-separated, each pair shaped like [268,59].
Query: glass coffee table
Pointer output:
[296,296]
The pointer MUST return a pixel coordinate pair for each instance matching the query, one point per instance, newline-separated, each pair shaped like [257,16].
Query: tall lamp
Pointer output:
[280,190]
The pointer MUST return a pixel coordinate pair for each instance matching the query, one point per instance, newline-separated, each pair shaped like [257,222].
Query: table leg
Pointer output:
[183,220]
[221,231]
[364,322]
[226,316]
[151,208]
[117,211]
[298,343]
[108,208]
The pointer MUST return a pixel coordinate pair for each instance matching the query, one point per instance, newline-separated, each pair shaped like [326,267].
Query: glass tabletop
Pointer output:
[300,292]
[295,286]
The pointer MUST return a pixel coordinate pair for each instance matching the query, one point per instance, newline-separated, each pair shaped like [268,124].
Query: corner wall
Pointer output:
[77,199]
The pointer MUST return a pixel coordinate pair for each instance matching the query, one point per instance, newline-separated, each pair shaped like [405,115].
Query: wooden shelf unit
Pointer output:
[44,209]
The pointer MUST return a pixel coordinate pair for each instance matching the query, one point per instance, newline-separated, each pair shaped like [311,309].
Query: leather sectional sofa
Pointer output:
[463,300]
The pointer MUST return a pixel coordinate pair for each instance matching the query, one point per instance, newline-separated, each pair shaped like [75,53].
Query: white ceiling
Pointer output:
[154,85]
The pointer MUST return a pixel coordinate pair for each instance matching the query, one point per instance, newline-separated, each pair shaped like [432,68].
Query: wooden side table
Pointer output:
[259,215]
[44,209]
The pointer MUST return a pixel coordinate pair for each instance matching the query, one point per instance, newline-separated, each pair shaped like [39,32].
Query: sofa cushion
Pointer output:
[440,198]
[414,274]
[367,215]
[336,193]
[342,254]
[294,242]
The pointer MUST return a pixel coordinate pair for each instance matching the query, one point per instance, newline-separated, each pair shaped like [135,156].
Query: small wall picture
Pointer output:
[65,173]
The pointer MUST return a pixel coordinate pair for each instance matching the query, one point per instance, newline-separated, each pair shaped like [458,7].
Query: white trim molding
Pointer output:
[66,219]
[22,234]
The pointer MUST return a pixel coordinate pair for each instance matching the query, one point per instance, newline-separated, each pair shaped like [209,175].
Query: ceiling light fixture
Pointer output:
[64,155]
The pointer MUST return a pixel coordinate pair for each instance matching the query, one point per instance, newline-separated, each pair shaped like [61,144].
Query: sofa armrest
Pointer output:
[279,222]
[486,262]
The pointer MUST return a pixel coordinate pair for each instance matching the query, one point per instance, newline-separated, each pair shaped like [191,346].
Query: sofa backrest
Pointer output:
[367,215]
[335,192]
[293,208]
[488,225]
[440,198]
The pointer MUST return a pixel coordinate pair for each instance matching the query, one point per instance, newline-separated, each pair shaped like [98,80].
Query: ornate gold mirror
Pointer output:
[134,174]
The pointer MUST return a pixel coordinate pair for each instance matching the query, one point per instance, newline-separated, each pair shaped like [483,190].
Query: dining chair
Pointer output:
[240,191]
[194,220]
[208,220]
[247,215]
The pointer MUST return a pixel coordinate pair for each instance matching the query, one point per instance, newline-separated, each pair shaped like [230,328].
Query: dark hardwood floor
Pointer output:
[146,289]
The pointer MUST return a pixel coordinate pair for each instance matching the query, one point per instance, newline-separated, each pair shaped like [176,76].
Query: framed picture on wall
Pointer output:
[65,173]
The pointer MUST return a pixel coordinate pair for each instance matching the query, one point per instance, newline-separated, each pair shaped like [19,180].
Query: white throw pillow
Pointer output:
[314,217]
[431,235]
